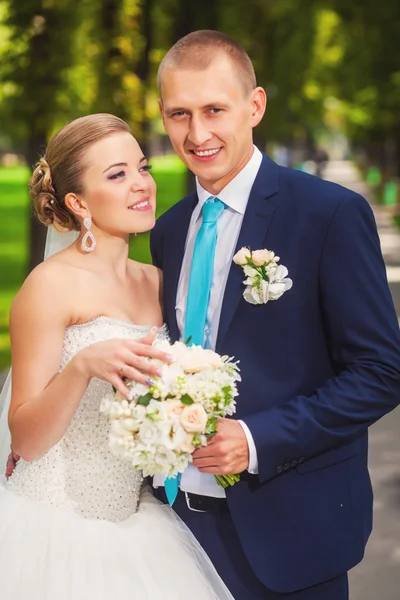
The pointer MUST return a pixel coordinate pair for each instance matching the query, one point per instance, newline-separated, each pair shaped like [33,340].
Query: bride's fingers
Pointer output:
[143,364]
[150,337]
[10,466]
[119,385]
[135,375]
[140,349]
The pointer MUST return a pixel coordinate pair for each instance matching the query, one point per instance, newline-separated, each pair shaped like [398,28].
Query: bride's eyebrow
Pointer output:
[123,164]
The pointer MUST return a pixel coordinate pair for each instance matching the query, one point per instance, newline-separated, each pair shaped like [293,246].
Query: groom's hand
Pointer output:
[226,453]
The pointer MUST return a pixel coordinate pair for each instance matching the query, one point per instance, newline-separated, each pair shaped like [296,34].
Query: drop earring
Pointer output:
[87,223]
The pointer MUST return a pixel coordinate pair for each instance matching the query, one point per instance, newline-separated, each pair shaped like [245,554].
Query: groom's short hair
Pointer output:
[198,49]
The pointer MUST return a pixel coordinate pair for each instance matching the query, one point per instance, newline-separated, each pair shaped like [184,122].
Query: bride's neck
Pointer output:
[111,252]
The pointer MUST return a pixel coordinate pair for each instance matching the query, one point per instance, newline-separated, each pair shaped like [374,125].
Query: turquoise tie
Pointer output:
[198,294]
[201,272]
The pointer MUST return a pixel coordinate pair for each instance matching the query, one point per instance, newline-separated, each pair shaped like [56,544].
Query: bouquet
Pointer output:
[158,428]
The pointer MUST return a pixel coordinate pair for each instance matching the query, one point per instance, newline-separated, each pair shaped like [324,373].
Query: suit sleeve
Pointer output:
[363,338]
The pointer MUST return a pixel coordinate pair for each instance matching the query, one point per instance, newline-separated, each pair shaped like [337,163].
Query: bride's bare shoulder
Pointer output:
[47,289]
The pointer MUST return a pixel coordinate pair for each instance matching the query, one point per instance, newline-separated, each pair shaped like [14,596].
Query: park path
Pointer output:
[378,575]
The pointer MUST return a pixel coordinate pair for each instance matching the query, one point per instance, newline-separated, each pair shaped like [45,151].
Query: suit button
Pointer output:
[293,463]
[286,466]
[279,470]
[301,460]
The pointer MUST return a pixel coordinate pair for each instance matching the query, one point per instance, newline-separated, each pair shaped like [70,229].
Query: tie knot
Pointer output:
[212,209]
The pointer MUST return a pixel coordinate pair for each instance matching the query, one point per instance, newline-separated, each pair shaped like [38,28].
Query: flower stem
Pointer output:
[227,480]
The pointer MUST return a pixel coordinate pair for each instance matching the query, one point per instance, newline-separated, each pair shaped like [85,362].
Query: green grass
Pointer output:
[169,174]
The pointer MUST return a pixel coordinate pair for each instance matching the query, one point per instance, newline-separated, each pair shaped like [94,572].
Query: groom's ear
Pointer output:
[76,205]
[161,108]
[258,101]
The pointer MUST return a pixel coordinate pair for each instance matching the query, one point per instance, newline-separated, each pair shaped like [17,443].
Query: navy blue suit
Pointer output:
[319,366]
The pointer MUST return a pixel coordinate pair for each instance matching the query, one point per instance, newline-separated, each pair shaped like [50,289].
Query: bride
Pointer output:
[76,522]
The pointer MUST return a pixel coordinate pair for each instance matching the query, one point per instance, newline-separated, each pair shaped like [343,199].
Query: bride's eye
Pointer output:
[117,175]
[145,168]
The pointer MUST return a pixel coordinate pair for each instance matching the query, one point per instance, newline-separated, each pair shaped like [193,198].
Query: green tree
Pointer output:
[39,51]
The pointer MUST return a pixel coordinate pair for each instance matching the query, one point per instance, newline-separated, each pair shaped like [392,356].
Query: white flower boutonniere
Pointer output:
[266,280]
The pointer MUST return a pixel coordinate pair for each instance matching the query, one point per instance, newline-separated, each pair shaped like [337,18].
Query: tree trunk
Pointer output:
[37,232]
[143,71]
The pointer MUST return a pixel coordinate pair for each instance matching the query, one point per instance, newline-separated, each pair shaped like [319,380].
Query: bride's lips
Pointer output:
[142,205]
[206,154]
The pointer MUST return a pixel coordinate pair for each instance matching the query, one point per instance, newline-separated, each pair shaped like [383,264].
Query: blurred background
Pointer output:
[331,69]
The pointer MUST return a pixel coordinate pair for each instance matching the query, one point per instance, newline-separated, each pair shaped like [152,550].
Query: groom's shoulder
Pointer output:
[314,194]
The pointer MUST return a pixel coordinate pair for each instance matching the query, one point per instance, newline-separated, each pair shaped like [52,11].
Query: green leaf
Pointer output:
[211,427]
[144,400]
[186,399]
[227,390]
[189,339]
[196,441]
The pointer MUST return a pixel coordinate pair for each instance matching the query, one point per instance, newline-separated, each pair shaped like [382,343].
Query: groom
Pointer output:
[320,364]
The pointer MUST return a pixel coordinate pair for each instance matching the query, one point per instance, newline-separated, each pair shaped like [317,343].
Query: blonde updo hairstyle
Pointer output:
[59,172]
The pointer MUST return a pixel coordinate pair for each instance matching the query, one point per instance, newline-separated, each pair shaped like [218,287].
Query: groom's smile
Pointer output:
[206,155]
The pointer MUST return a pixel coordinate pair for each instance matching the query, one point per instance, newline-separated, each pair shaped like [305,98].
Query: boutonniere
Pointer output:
[266,280]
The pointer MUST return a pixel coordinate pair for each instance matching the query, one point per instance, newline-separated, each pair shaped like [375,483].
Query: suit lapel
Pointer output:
[253,233]
[175,255]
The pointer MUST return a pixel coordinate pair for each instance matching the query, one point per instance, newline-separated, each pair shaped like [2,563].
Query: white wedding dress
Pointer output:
[78,523]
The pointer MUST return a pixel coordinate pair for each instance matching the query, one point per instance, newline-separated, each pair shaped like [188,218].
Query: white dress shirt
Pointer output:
[235,196]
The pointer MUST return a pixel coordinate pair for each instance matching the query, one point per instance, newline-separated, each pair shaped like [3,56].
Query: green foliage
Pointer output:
[145,400]
[187,400]
[36,52]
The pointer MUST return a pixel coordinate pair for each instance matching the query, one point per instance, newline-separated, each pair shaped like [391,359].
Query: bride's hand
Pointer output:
[116,359]
[12,460]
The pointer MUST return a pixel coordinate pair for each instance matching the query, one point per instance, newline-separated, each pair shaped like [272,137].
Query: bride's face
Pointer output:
[119,191]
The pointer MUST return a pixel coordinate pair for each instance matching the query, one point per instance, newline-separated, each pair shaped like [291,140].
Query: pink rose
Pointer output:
[241,257]
[194,418]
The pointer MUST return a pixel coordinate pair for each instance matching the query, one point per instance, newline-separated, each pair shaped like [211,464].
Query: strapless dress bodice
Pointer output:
[80,472]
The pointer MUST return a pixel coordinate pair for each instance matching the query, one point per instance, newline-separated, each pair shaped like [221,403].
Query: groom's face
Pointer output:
[209,118]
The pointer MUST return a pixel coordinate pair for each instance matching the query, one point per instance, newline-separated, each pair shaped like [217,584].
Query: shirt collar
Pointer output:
[236,194]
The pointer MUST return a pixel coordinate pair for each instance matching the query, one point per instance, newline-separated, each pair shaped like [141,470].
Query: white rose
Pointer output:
[262,257]
[137,390]
[178,349]
[170,374]
[194,418]
[149,433]
[118,430]
[163,345]
[130,424]
[241,257]
[139,412]
[173,435]
[173,408]
[155,410]
[213,359]
[195,360]
[187,445]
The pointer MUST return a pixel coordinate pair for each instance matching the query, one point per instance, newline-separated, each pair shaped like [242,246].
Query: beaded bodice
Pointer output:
[80,472]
